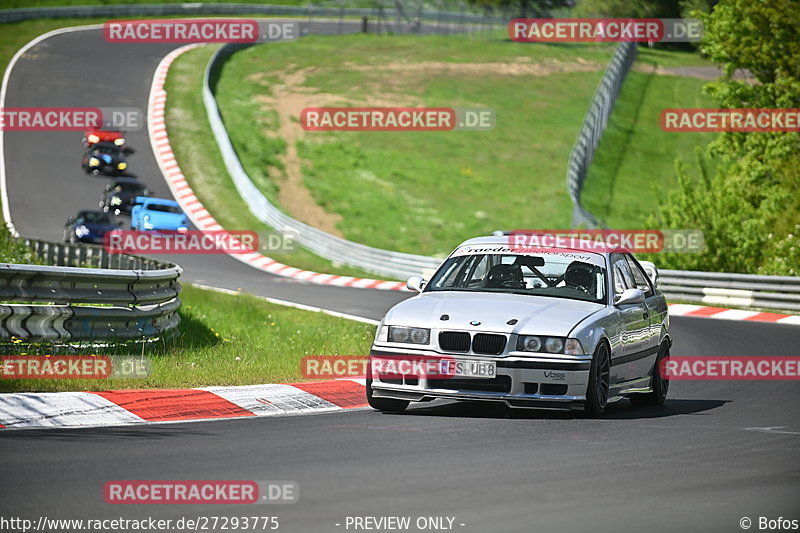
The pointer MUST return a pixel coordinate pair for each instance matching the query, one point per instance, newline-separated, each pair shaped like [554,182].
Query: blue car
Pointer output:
[158,214]
[89,226]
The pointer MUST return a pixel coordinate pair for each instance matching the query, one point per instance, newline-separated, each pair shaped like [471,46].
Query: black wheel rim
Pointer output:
[603,376]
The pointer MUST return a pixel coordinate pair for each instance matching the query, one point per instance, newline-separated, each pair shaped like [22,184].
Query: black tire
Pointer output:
[387,405]
[599,382]
[659,384]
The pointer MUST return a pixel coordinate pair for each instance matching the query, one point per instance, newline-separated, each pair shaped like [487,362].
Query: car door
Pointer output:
[635,334]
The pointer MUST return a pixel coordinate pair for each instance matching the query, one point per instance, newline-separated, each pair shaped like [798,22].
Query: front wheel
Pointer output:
[659,383]
[599,382]
[387,405]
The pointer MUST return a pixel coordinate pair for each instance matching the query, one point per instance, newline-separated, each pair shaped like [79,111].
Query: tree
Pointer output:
[750,208]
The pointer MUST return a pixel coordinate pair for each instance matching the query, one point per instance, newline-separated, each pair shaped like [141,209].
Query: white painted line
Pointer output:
[682,309]
[271,400]
[62,409]
[293,304]
[734,314]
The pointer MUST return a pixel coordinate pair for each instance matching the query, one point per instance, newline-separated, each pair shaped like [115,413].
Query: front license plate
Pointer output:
[468,369]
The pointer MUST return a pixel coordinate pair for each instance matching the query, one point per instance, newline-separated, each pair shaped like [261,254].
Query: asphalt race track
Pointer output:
[716,452]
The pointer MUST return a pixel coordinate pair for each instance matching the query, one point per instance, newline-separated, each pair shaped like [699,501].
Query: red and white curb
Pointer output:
[149,406]
[720,313]
[200,216]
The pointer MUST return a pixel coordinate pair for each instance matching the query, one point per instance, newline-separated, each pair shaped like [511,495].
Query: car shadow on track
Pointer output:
[622,410]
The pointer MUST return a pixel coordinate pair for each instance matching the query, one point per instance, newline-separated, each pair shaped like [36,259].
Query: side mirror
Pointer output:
[630,296]
[415,283]
[651,271]
[127,151]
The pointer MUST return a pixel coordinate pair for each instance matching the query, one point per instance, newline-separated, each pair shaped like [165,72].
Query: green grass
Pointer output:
[201,163]
[222,340]
[634,164]
[422,192]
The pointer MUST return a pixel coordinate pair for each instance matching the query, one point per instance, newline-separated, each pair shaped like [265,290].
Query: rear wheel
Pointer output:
[659,383]
[599,381]
[389,405]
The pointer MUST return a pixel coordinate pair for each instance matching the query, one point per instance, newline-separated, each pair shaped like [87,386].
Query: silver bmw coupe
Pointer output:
[550,328]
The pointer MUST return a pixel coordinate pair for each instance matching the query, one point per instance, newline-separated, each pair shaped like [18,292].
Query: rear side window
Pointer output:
[639,277]
[621,272]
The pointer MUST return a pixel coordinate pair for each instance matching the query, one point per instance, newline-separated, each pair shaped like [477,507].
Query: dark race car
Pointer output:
[105,158]
[120,195]
[89,226]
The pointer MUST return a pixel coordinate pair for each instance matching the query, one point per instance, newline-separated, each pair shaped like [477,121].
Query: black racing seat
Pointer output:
[505,277]
[581,276]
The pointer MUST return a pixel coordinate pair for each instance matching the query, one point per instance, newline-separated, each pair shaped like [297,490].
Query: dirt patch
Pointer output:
[703,73]
[516,68]
[290,96]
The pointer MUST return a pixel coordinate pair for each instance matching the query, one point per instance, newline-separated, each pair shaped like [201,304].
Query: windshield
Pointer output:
[107,150]
[165,208]
[130,187]
[577,276]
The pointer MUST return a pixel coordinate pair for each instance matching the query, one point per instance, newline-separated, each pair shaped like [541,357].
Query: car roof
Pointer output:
[158,201]
[503,240]
[129,180]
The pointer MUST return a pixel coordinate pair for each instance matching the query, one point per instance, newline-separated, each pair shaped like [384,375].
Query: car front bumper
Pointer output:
[543,382]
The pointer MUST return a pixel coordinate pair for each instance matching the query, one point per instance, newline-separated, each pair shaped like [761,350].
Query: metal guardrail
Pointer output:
[137,299]
[731,290]
[594,124]
[384,262]
[378,11]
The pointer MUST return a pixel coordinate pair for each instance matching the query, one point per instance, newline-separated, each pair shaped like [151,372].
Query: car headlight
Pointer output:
[182,229]
[532,343]
[409,335]
[81,231]
[94,162]
[120,141]
[93,139]
[122,166]
[116,200]
[554,345]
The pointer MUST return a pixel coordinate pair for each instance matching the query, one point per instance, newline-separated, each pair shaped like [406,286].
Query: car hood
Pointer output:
[535,315]
[101,228]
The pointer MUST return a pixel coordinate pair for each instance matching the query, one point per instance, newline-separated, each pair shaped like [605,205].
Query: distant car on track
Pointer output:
[120,195]
[89,226]
[158,214]
[92,137]
[565,328]
[104,158]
